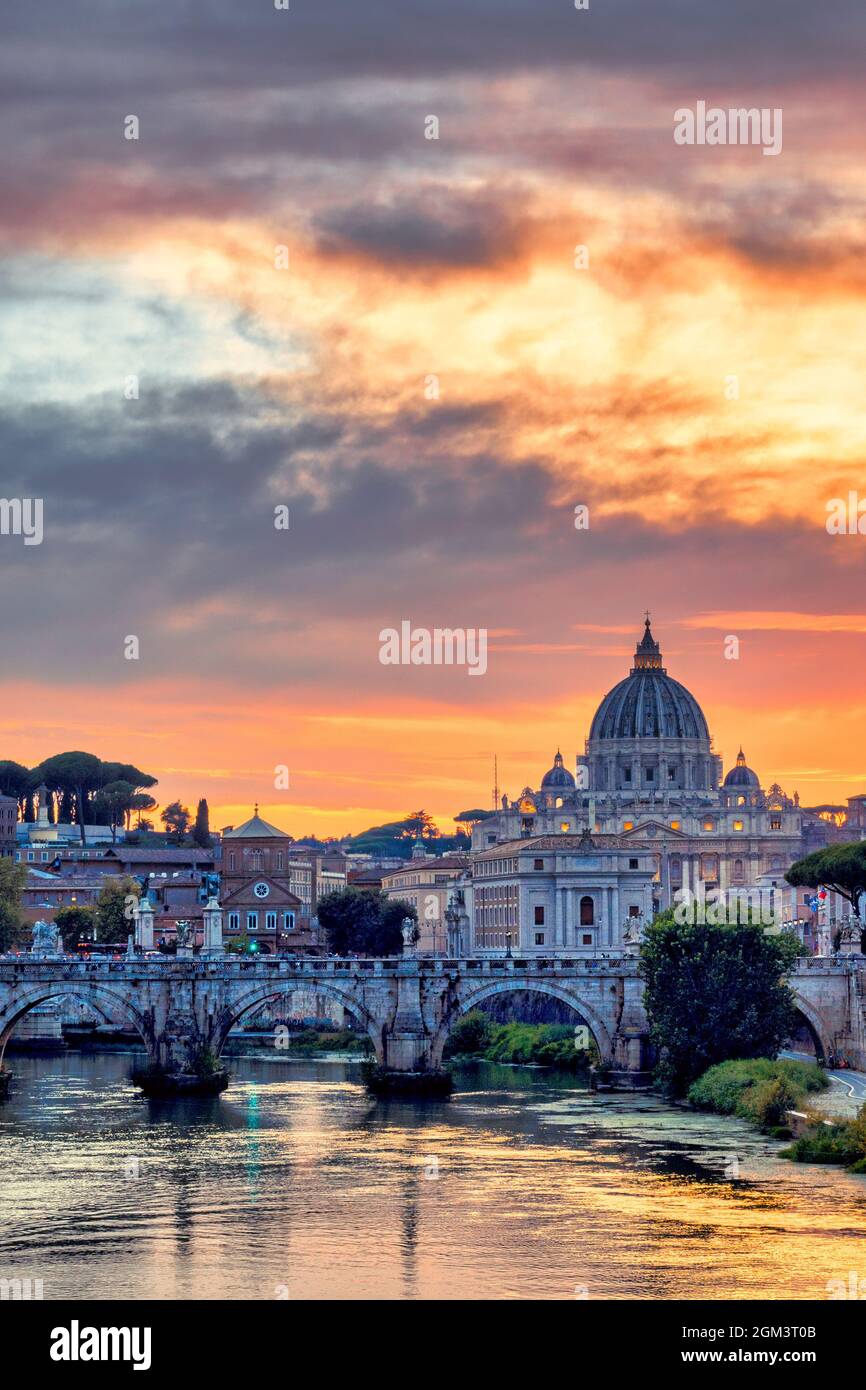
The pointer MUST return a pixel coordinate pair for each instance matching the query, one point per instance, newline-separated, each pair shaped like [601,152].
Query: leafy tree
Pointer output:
[114,921]
[15,781]
[113,801]
[12,879]
[471,1033]
[76,923]
[363,922]
[77,773]
[176,819]
[138,780]
[419,823]
[840,868]
[141,802]
[201,829]
[714,993]
[473,817]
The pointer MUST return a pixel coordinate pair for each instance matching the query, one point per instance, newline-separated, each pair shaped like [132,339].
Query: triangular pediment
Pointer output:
[278,896]
[637,832]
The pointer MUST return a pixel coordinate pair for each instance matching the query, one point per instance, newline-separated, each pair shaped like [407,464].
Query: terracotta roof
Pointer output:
[178,855]
[256,829]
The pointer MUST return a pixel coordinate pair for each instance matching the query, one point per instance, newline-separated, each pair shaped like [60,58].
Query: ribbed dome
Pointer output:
[740,775]
[559,775]
[649,703]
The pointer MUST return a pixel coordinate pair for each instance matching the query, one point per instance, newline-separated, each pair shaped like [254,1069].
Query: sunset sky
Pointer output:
[608,386]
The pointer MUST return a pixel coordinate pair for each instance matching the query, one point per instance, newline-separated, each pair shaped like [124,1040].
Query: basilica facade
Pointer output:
[650,782]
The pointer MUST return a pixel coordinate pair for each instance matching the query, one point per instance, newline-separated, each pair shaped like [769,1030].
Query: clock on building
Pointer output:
[261,890]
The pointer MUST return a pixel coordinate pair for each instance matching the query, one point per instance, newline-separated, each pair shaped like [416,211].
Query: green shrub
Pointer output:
[765,1103]
[722,1088]
[843,1143]
[544,1044]
[471,1034]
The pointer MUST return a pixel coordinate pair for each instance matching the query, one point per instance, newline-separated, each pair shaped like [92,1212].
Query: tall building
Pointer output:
[266,893]
[650,780]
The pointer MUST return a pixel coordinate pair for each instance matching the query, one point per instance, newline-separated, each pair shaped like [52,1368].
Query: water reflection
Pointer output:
[523,1185]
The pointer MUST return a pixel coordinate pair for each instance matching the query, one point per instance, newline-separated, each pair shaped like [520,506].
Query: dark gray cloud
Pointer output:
[429,228]
[164,510]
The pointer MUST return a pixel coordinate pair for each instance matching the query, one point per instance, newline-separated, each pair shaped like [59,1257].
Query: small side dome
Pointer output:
[741,775]
[558,776]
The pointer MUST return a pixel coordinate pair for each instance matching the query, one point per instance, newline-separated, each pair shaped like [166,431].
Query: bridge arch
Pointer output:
[821,1036]
[114,1007]
[265,994]
[468,1000]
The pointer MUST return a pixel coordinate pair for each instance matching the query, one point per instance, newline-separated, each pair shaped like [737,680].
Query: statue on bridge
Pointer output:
[633,929]
[46,939]
[409,928]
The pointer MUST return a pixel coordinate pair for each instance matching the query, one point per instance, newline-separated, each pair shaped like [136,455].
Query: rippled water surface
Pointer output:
[295,1183]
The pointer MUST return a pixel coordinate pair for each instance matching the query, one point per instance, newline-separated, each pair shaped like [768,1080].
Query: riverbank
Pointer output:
[561,1046]
[787,1100]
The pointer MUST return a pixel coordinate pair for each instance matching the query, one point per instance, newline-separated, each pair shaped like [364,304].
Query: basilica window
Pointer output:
[738,825]
[587,938]
[538,864]
[539,938]
[672,774]
[675,825]
[709,825]
[539,916]
[564,826]
[633,863]
[628,825]
[587,912]
[775,822]
[738,869]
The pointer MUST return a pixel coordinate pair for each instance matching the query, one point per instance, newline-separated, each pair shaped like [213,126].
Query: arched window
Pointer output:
[738,869]
[587,912]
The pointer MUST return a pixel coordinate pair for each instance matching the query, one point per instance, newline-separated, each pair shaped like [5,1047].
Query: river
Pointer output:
[294,1184]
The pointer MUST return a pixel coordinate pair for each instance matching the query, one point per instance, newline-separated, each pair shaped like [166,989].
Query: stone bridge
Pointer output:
[406,1005]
